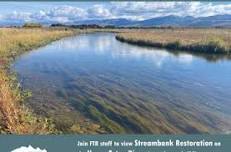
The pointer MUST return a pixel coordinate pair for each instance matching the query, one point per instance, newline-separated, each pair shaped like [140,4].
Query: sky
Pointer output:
[71,12]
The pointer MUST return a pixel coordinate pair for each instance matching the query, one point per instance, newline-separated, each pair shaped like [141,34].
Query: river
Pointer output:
[93,83]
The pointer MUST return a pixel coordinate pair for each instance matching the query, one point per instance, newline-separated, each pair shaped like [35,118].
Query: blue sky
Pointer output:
[70,12]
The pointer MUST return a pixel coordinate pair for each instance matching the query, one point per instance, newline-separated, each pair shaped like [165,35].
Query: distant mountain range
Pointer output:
[188,21]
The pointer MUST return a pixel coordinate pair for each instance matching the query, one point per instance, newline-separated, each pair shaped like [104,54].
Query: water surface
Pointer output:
[95,84]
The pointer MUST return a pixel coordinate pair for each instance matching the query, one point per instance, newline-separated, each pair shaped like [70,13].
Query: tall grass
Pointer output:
[193,40]
[15,118]
[16,41]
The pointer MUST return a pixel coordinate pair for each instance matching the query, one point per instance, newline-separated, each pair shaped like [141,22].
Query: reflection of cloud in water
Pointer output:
[158,57]
[108,45]
[70,44]
[98,45]
[185,58]
[103,44]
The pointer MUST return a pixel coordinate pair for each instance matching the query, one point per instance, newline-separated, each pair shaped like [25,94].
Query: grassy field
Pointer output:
[16,41]
[15,118]
[214,41]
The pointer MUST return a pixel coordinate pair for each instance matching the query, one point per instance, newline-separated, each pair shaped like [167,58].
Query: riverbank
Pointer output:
[211,41]
[15,117]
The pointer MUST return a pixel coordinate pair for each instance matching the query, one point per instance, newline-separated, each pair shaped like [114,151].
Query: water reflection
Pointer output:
[96,84]
[104,45]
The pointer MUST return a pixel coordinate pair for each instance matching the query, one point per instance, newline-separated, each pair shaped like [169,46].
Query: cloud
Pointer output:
[145,10]
[99,11]
[29,149]
[19,16]
[128,10]
[67,11]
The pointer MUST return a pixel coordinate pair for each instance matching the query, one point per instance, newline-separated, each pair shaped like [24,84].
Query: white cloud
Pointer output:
[144,10]
[99,11]
[19,16]
[29,149]
[129,10]
[67,11]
